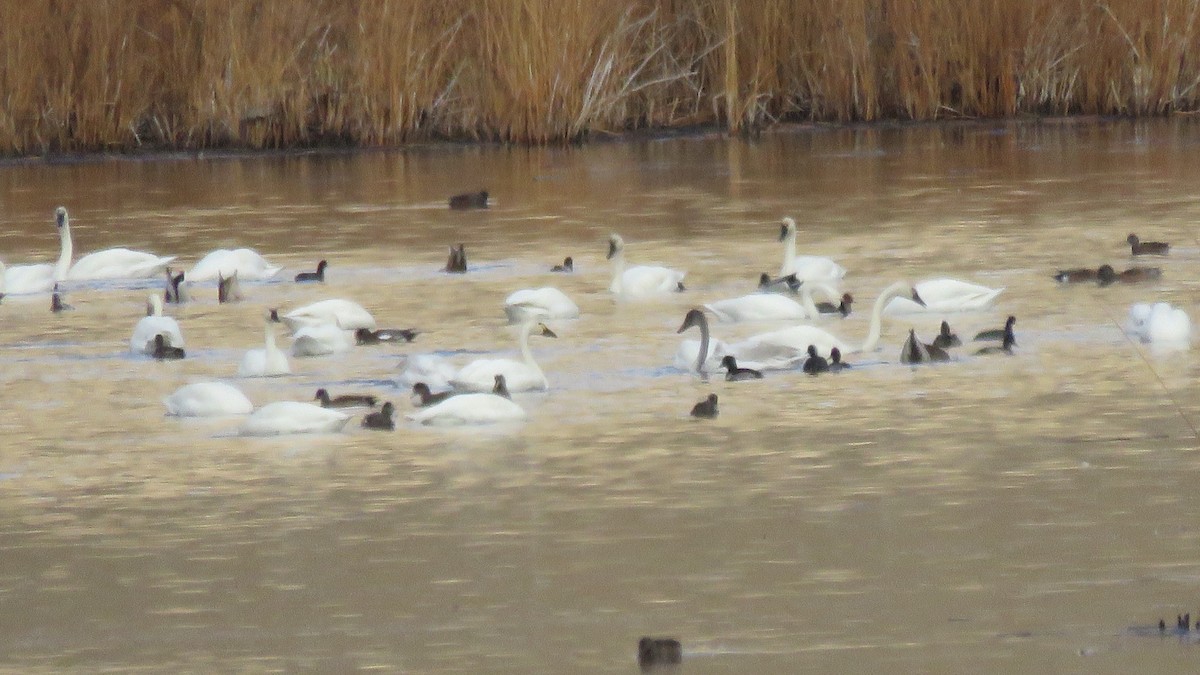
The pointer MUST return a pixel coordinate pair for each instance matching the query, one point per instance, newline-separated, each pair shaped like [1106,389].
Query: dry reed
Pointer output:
[128,74]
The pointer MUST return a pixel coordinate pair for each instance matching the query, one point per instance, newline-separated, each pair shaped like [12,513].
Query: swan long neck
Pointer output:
[888,293]
[704,339]
[789,251]
[66,250]
[526,352]
[618,270]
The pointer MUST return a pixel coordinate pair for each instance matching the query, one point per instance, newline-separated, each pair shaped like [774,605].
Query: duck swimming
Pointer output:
[423,396]
[176,291]
[345,400]
[706,409]
[997,333]
[1107,275]
[56,302]
[470,200]
[945,339]
[457,262]
[1076,275]
[311,277]
[163,351]
[1005,347]
[568,265]
[836,365]
[1139,247]
[735,374]
[229,289]
[381,420]
[842,307]
[816,364]
[915,351]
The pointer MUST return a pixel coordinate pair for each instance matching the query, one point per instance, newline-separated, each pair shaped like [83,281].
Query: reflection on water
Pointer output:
[991,514]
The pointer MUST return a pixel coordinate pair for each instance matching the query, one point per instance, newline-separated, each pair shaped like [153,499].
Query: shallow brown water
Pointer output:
[988,515]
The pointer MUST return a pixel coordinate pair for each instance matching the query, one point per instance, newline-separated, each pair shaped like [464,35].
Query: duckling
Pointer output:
[470,200]
[1139,247]
[568,265]
[788,283]
[915,351]
[501,388]
[381,420]
[175,292]
[1076,275]
[836,365]
[309,277]
[655,652]
[56,302]
[423,396]
[842,307]
[1107,275]
[706,409]
[344,401]
[1005,347]
[457,262]
[945,339]
[163,351]
[228,289]
[735,374]
[815,364]
[366,336]
[997,333]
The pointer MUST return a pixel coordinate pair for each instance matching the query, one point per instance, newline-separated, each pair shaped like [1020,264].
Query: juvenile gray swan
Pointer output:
[344,401]
[1139,247]
[313,277]
[735,374]
[706,409]
[381,420]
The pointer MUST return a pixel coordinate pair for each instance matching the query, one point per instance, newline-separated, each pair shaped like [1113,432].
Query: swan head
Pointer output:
[787,228]
[60,218]
[544,331]
[615,245]
[916,297]
[694,317]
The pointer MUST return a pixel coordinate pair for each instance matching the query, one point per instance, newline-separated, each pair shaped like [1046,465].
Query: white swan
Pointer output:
[805,267]
[345,313]
[431,369]
[293,417]
[792,343]
[41,277]
[469,409]
[208,399]
[1160,324]
[154,323]
[945,295]
[267,362]
[640,280]
[773,306]
[321,339]
[248,264]
[524,375]
[110,263]
[539,304]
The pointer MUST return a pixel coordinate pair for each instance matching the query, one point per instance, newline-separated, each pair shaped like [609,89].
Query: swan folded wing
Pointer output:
[293,417]
[118,263]
[480,375]
[249,265]
[757,307]
[945,295]
[346,314]
[320,339]
[648,280]
[469,409]
[813,268]
[539,303]
[787,345]
[20,279]
[207,399]
[431,369]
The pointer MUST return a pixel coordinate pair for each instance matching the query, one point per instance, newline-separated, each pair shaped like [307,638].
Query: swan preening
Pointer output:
[1160,324]
[539,304]
[944,295]
[207,399]
[345,314]
[153,324]
[266,362]
[293,417]
[640,280]
[805,267]
[523,375]
[246,263]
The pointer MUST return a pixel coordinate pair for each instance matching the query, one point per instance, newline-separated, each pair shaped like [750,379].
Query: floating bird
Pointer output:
[163,351]
[422,395]
[470,200]
[501,388]
[997,333]
[945,339]
[1076,275]
[381,420]
[836,365]
[815,363]
[366,336]
[176,291]
[568,265]
[915,351]
[706,409]
[228,289]
[1107,275]
[657,652]
[56,302]
[639,280]
[843,307]
[1139,247]
[345,400]
[735,374]
[310,277]
[1006,346]
[457,262]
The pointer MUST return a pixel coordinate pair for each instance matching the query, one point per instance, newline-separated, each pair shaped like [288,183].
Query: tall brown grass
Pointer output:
[125,74]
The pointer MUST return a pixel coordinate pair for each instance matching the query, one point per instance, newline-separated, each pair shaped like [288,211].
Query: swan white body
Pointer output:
[792,343]
[945,295]
[267,362]
[345,314]
[759,307]
[41,277]
[248,264]
[688,354]
[805,267]
[321,339]
[293,417]
[641,280]
[523,375]
[208,399]
[539,304]
[142,340]
[112,263]
[1160,324]
[431,369]
[469,409]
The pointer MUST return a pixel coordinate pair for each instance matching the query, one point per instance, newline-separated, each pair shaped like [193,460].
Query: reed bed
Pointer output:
[127,74]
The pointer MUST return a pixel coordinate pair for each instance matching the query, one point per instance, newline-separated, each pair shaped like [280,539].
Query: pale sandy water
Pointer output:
[988,515]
